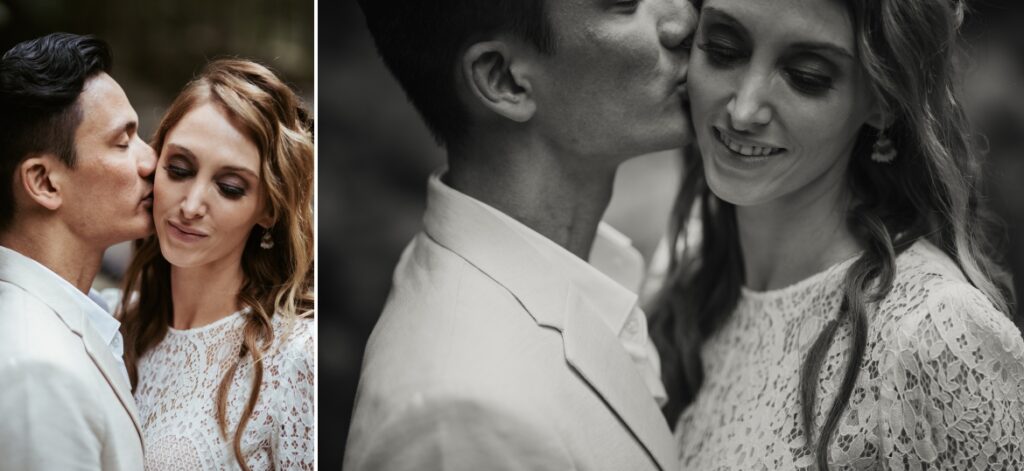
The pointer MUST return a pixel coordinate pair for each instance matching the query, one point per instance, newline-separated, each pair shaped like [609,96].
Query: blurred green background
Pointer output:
[159,45]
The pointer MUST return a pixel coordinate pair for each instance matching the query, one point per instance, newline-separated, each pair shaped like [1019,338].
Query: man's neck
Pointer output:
[57,249]
[543,191]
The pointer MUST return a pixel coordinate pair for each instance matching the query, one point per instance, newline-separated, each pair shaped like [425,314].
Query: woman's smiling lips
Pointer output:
[744,148]
[185,235]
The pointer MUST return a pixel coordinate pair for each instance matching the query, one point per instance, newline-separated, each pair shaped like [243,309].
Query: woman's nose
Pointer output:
[748,109]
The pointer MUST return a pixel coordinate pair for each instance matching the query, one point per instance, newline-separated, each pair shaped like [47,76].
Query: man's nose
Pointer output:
[146,160]
[677,21]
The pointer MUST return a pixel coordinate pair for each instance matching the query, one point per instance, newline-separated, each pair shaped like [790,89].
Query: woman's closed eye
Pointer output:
[723,50]
[231,190]
[177,172]
[626,6]
[811,77]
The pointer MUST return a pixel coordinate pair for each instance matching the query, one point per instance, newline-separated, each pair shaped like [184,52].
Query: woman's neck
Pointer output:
[795,236]
[204,295]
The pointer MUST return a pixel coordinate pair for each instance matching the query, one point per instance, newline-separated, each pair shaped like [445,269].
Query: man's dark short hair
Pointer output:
[421,41]
[40,81]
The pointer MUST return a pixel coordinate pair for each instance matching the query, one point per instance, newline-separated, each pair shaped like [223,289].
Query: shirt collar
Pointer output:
[608,283]
[95,308]
[610,278]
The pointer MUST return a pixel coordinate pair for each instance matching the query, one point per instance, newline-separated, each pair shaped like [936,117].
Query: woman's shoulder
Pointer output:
[932,302]
[294,339]
[292,354]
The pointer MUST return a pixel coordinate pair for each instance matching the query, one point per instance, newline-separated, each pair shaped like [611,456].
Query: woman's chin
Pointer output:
[176,256]
[736,193]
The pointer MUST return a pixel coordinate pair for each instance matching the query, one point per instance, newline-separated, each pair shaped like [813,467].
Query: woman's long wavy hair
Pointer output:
[929,192]
[278,281]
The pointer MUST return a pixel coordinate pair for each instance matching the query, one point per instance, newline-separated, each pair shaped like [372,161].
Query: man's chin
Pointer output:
[143,230]
[671,139]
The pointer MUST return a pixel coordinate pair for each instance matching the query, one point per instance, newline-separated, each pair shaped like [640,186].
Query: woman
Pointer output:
[220,336]
[843,309]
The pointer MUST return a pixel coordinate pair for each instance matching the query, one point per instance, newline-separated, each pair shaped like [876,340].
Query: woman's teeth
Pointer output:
[748,151]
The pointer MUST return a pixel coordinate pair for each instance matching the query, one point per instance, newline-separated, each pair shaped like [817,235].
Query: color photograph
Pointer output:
[157,235]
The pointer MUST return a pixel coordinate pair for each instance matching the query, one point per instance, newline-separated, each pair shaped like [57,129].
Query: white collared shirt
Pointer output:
[97,312]
[609,282]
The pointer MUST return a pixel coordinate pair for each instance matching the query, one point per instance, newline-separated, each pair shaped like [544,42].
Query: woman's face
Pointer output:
[778,97]
[207,195]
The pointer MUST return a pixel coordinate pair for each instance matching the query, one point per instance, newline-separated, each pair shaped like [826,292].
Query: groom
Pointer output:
[76,181]
[500,347]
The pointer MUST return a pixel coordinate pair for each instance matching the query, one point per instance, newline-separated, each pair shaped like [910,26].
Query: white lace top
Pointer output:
[941,386]
[178,380]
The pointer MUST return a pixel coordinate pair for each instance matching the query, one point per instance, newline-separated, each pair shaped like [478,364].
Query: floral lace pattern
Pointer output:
[177,387]
[941,385]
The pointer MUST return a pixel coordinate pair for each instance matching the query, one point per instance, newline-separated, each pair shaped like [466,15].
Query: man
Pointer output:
[76,182]
[500,347]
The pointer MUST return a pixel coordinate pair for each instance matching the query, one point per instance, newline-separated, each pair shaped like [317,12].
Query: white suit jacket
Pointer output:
[64,404]
[486,359]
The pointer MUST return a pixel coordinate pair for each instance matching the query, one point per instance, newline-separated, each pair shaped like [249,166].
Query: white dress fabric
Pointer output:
[178,380]
[941,385]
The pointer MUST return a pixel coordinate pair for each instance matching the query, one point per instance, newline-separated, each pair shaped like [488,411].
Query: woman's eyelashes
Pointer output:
[626,6]
[810,76]
[231,191]
[177,171]
[228,187]
[723,46]
[809,82]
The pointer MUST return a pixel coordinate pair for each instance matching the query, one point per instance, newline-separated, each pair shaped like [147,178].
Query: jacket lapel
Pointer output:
[104,360]
[597,355]
[471,231]
[33,278]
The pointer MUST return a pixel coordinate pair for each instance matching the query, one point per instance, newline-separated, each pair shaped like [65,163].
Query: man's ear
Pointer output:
[43,177]
[492,73]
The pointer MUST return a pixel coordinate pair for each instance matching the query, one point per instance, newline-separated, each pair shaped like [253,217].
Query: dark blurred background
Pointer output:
[160,45]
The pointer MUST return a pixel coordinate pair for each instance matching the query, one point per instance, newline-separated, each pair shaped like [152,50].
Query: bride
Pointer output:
[219,327]
[842,308]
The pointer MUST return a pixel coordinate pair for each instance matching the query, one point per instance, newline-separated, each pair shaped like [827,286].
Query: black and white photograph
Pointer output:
[673,235]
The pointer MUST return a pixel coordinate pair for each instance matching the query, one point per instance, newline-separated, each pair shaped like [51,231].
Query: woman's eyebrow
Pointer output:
[823,47]
[720,16]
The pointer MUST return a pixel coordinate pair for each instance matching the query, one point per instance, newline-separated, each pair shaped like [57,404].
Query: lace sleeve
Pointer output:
[952,394]
[294,400]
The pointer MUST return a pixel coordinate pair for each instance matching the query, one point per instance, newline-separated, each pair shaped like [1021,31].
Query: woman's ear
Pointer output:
[267,218]
[43,177]
[880,116]
[493,73]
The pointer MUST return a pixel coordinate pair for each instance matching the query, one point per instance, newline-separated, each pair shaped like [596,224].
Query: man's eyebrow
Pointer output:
[127,126]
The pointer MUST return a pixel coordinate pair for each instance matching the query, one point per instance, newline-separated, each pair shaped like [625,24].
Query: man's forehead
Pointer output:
[105,107]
